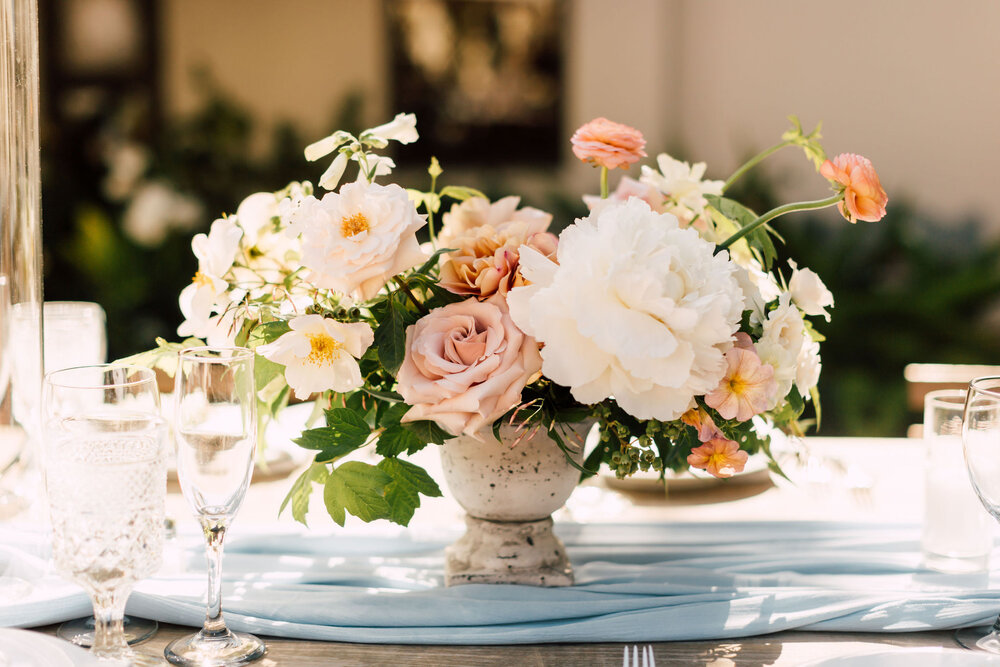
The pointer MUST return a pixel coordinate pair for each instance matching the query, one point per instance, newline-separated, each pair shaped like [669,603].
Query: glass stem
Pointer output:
[109,630]
[215,534]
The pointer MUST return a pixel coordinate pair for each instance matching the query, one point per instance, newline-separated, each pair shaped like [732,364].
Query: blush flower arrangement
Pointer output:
[661,316]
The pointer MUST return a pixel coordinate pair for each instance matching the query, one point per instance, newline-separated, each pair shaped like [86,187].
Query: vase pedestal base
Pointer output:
[508,552]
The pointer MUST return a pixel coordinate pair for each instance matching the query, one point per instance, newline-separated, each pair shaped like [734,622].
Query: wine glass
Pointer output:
[215,425]
[981,442]
[106,484]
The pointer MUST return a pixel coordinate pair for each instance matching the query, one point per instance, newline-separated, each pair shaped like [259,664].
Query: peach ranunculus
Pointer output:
[487,238]
[854,175]
[746,389]
[605,143]
[465,365]
[699,418]
[629,187]
[720,457]
[356,240]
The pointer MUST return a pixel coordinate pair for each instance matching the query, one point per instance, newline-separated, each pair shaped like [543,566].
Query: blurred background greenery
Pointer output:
[148,140]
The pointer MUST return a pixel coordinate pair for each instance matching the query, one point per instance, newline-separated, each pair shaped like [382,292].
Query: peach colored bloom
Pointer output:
[466,364]
[720,457]
[747,387]
[488,238]
[864,198]
[629,187]
[701,420]
[608,144]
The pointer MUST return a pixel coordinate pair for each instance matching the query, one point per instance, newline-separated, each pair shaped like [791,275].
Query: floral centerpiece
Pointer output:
[662,316]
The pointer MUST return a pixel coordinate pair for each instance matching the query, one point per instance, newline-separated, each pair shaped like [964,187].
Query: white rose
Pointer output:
[636,308]
[356,240]
[808,291]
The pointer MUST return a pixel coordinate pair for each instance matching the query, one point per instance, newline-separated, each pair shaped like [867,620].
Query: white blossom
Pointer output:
[320,354]
[681,182]
[808,291]
[780,345]
[216,253]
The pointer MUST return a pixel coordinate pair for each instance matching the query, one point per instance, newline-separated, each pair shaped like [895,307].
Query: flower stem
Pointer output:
[604,182]
[430,214]
[405,286]
[752,162]
[779,211]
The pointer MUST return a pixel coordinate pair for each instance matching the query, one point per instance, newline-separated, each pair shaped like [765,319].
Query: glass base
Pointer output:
[81,631]
[204,650]
[979,638]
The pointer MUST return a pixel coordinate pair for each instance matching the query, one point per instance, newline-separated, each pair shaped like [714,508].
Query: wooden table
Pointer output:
[885,483]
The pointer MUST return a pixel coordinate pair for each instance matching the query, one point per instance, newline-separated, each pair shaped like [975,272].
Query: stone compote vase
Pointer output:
[509,488]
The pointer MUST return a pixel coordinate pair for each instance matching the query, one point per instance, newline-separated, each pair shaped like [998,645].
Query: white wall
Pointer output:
[912,84]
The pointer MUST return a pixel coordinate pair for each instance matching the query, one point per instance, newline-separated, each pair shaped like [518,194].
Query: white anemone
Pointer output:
[681,182]
[636,309]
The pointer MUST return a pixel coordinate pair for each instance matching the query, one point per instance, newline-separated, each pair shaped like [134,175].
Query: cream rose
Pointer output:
[466,364]
[356,240]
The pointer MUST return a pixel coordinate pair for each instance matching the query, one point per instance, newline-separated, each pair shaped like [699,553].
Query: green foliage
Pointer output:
[164,356]
[390,335]
[735,215]
[358,488]
[403,493]
[301,490]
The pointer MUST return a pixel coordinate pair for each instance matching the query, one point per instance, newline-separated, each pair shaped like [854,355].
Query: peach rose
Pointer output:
[488,238]
[466,364]
[864,198]
[477,217]
[608,144]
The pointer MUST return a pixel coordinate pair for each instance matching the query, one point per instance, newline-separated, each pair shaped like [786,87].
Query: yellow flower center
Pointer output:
[201,279]
[325,350]
[737,385]
[354,225]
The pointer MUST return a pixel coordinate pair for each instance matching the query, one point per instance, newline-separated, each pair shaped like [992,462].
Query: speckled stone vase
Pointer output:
[508,493]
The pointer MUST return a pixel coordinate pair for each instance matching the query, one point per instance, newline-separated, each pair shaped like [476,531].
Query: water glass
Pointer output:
[958,532]
[215,425]
[74,334]
[106,483]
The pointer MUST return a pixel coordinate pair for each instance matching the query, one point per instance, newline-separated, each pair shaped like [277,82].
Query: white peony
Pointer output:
[356,240]
[320,354]
[636,308]
[681,182]
[781,343]
[808,291]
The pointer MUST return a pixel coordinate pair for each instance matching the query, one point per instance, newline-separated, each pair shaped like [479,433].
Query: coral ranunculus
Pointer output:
[719,457]
[864,198]
[605,143]
[466,364]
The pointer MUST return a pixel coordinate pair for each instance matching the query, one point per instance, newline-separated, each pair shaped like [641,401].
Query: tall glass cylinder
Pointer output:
[20,246]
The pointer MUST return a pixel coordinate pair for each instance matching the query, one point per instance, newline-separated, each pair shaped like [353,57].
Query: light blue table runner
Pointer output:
[635,582]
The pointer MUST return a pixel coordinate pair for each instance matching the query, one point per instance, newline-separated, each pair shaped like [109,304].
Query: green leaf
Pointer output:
[387,396]
[461,193]
[759,239]
[415,196]
[267,333]
[391,414]
[396,439]
[432,201]
[428,431]
[301,491]
[164,356]
[345,431]
[403,493]
[390,336]
[358,488]
[266,371]
[433,260]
